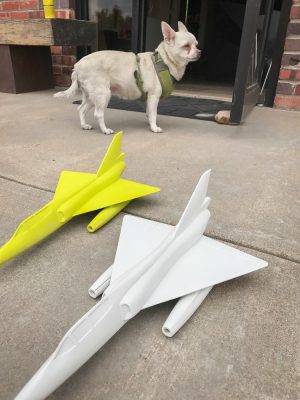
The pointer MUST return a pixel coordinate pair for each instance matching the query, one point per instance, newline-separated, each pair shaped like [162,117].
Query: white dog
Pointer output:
[146,76]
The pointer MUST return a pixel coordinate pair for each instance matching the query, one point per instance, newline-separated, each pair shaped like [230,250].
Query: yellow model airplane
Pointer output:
[78,193]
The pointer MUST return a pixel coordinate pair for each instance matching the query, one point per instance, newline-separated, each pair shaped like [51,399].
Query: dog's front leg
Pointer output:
[152,103]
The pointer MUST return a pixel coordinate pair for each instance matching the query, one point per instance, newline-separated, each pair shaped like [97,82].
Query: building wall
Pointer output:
[63,57]
[288,88]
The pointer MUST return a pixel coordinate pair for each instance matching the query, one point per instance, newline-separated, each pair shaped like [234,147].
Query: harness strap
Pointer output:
[165,78]
[139,80]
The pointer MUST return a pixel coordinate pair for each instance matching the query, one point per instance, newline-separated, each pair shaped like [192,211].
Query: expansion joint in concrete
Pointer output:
[26,184]
[236,243]
[251,247]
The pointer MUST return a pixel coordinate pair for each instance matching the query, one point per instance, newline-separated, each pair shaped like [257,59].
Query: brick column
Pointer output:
[288,88]
[63,57]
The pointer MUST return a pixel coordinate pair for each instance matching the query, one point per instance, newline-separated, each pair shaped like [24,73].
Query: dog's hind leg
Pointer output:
[83,109]
[101,101]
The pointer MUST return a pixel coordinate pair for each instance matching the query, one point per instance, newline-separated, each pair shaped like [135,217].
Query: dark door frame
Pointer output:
[245,91]
[82,12]
[138,25]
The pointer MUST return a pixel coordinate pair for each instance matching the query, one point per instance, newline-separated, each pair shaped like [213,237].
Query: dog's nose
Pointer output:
[198,53]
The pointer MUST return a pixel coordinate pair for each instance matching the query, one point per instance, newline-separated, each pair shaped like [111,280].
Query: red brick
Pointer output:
[28,5]
[4,15]
[285,74]
[297,77]
[295,12]
[287,102]
[57,69]
[69,50]
[290,59]
[65,14]
[36,14]
[10,5]
[56,59]
[294,28]
[61,14]
[297,90]
[19,15]
[67,70]
[292,44]
[62,80]
[285,88]
[56,49]
[68,60]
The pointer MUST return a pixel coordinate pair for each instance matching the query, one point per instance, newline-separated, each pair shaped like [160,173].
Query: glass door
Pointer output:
[114,18]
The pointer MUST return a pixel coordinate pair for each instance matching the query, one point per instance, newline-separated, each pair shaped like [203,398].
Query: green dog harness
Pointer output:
[165,78]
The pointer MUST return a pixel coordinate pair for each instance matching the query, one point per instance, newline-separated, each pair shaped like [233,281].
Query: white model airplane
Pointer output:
[154,263]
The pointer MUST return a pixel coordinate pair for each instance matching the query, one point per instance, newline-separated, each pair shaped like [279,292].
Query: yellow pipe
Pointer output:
[49,8]
[106,215]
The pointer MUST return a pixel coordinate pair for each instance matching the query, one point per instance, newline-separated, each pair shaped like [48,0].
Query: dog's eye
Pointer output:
[186,46]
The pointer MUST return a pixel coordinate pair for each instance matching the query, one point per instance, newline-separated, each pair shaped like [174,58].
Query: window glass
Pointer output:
[114,19]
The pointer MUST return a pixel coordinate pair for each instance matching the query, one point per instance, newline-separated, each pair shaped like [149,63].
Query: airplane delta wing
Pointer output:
[207,263]
[118,192]
[139,237]
[71,182]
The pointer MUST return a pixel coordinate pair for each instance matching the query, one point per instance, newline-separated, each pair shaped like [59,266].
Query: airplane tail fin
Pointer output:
[113,155]
[197,203]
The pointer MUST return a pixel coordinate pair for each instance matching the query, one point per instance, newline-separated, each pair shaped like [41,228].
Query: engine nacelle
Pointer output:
[101,283]
[183,310]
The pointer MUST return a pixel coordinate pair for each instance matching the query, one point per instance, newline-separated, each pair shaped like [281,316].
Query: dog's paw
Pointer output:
[86,127]
[156,129]
[108,131]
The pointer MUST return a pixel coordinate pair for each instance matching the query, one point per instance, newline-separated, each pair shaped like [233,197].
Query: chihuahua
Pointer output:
[103,74]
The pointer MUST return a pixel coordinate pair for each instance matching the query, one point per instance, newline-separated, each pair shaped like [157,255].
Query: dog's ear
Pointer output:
[181,27]
[168,32]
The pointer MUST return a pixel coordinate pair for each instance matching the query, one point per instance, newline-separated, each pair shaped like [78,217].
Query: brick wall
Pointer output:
[63,57]
[288,88]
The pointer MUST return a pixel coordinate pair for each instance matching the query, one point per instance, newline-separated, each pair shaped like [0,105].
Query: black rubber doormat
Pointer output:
[177,106]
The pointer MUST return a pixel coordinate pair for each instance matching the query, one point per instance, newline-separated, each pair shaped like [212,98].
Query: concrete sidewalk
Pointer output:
[243,343]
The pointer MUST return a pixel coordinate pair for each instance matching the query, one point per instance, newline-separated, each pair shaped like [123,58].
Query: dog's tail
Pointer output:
[73,89]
